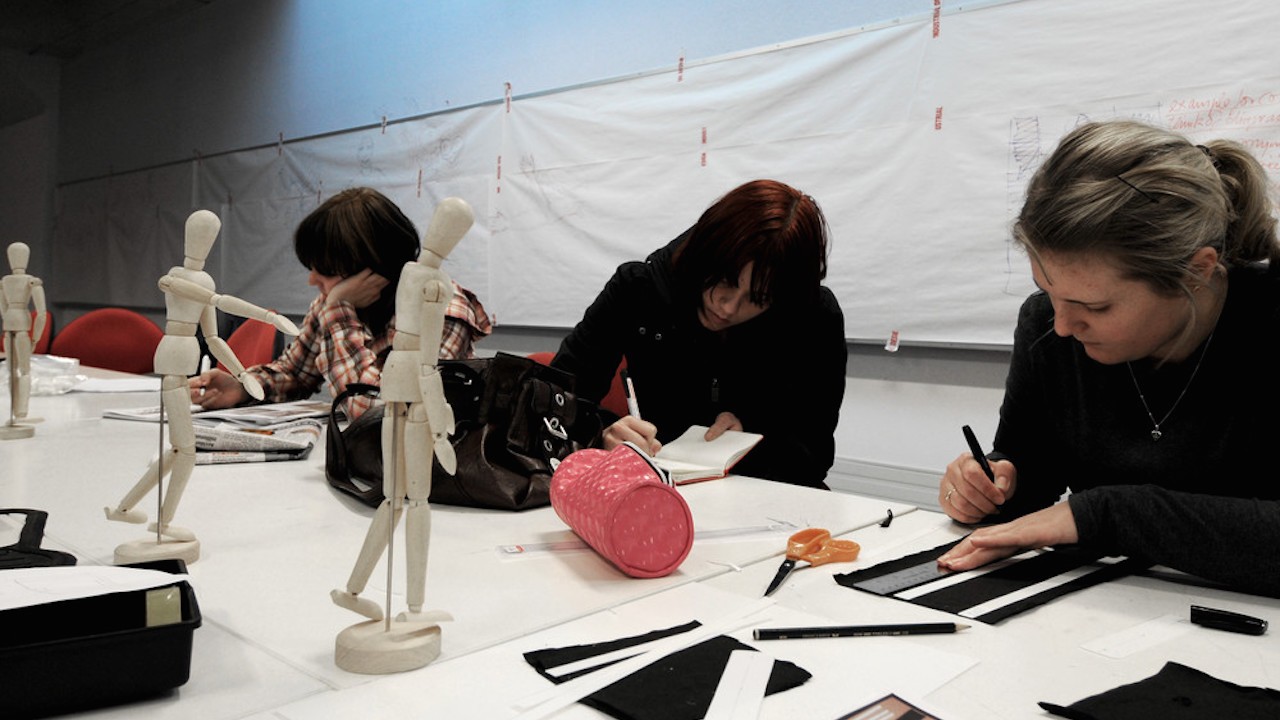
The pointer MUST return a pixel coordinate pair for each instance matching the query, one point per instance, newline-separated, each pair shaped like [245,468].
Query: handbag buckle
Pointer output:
[553,427]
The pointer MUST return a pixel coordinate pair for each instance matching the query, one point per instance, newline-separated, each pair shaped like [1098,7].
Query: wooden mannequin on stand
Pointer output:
[190,301]
[416,426]
[21,291]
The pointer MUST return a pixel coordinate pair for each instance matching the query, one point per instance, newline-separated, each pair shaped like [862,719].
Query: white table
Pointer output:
[276,539]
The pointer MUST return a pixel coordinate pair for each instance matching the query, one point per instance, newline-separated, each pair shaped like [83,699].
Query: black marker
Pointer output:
[1227,620]
[978,455]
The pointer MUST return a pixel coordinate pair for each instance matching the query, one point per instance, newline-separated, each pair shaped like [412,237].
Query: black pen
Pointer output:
[978,455]
[798,633]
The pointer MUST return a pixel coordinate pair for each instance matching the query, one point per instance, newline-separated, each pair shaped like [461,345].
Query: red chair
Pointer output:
[111,338]
[254,342]
[41,344]
[615,401]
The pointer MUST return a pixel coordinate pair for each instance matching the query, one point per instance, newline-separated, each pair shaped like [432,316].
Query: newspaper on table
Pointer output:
[253,433]
[229,443]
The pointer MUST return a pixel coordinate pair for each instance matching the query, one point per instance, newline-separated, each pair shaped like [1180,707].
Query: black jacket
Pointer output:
[781,373]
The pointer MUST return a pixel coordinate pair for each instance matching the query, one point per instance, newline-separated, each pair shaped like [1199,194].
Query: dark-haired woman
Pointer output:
[355,244]
[727,326]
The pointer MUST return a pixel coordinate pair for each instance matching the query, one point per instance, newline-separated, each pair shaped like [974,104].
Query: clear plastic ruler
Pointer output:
[899,580]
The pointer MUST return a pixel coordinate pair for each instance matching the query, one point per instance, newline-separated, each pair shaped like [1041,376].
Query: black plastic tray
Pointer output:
[93,652]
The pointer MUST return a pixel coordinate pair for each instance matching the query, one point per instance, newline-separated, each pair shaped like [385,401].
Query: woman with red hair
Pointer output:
[727,326]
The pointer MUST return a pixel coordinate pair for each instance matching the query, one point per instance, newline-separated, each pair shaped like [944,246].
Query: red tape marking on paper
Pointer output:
[937,17]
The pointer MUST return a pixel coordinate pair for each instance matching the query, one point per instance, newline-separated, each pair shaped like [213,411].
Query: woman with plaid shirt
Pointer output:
[355,245]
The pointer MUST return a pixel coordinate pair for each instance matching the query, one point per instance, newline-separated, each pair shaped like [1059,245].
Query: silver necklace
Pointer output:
[1155,426]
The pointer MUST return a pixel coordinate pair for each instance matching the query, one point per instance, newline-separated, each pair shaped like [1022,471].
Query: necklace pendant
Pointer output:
[1155,435]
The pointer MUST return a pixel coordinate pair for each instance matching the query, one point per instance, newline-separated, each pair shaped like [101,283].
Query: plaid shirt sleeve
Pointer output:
[333,348]
[465,322]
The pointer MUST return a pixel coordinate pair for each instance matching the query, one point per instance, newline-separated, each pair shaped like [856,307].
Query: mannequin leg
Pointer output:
[125,512]
[177,462]
[20,360]
[182,436]
[417,454]
[384,522]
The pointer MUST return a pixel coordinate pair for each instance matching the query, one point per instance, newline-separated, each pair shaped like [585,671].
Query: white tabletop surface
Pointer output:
[276,539]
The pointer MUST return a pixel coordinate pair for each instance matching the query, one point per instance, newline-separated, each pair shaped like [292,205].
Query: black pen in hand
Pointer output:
[978,455]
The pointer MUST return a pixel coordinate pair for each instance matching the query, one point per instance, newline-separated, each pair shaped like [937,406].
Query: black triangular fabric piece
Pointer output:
[677,687]
[545,661]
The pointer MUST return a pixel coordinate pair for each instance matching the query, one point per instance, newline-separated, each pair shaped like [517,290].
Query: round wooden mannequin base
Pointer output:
[136,551]
[369,648]
[16,432]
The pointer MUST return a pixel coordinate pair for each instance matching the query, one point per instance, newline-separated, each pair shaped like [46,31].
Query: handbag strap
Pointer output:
[335,457]
[27,551]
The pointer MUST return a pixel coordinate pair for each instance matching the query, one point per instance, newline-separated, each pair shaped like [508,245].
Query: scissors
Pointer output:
[814,546]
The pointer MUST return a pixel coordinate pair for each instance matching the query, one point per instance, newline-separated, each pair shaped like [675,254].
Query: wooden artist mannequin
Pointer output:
[190,300]
[416,425]
[20,291]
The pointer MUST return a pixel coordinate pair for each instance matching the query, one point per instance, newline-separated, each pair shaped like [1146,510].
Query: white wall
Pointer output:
[28,152]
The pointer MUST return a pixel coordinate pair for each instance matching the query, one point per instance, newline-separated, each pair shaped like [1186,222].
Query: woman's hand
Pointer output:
[724,421]
[632,429]
[361,290]
[965,493]
[216,389]
[1052,526]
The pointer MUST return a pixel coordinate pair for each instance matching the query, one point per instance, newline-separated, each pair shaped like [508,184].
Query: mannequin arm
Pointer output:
[37,299]
[226,303]
[225,355]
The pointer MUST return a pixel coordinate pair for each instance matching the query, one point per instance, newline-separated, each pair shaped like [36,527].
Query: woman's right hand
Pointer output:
[216,389]
[965,493]
[642,433]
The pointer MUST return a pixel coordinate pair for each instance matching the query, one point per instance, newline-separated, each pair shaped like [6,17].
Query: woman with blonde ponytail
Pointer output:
[1142,376]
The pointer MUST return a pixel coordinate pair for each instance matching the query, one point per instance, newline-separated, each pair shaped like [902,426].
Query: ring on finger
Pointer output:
[949,493]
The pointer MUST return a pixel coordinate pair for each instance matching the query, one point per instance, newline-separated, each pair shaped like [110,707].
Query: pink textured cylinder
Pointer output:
[622,508]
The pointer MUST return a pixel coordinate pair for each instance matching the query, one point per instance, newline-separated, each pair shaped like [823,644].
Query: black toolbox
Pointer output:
[93,652]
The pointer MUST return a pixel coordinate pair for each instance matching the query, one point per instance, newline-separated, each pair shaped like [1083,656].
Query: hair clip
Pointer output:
[1144,193]
[1212,158]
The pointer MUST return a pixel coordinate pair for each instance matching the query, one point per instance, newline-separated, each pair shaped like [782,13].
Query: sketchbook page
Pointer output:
[689,456]
[150,413]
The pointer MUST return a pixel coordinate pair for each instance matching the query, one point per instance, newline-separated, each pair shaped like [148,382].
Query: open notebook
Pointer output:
[689,458]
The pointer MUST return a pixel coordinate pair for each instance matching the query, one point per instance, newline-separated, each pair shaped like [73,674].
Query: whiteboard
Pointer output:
[916,137]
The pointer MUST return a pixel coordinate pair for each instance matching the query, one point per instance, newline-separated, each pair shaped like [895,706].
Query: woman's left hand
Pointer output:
[724,421]
[1051,526]
[361,290]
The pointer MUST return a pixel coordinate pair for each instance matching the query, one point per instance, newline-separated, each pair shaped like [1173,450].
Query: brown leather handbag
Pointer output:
[514,420]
